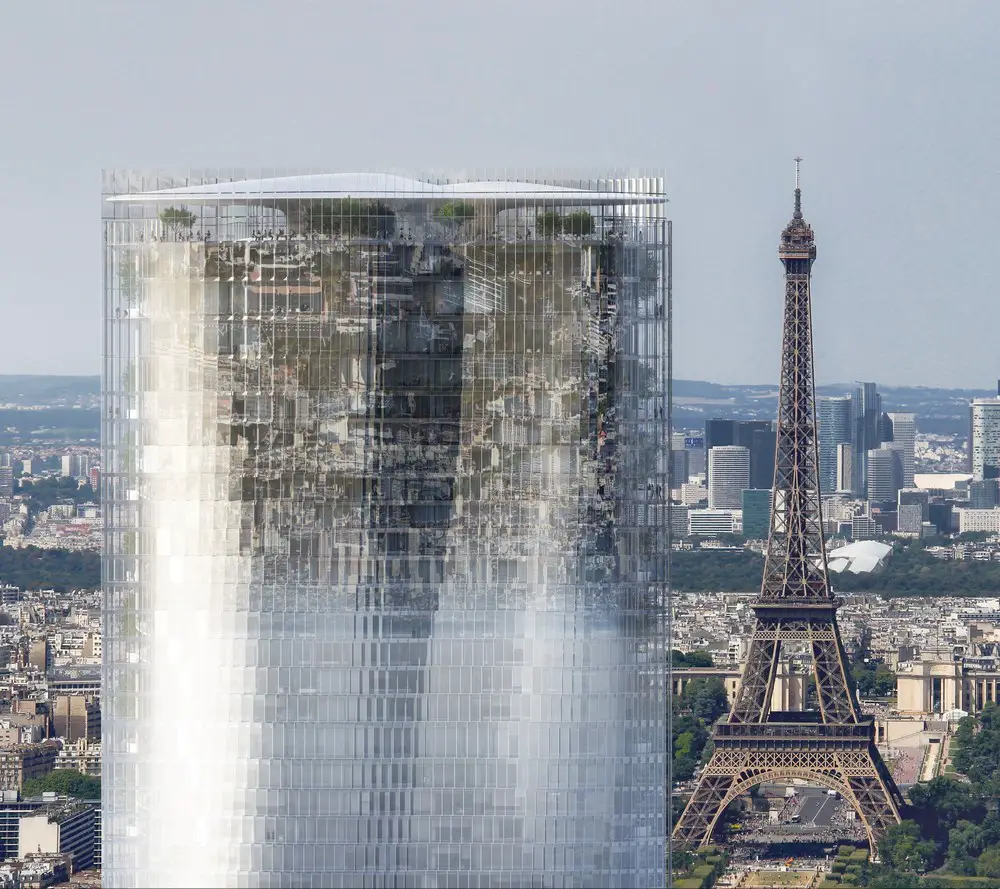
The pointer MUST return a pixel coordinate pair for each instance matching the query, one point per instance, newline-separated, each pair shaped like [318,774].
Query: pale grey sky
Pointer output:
[893,105]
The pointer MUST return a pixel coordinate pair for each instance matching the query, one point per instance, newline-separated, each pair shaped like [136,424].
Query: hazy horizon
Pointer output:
[889,104]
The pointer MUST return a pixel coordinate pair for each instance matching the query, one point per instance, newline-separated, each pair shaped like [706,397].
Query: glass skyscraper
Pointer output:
[834,427]
[384,472]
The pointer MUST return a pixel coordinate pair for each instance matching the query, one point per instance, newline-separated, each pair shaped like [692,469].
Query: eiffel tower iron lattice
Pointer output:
[834,747]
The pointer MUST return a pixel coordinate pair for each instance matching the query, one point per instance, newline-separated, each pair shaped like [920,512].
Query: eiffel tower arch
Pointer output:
[833,747]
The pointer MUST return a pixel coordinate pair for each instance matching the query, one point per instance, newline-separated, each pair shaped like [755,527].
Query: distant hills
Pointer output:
[938,410]
[47,391]
[941,411]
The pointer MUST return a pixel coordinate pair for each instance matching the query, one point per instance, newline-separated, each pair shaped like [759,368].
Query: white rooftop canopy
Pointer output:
[387,186]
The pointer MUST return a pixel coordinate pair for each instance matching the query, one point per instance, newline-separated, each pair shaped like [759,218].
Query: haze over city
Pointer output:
[447,465]
[891,105]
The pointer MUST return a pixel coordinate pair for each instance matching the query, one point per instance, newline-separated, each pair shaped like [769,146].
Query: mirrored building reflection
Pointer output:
[386,487]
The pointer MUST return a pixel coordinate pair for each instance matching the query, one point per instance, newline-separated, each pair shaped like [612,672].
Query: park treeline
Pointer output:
[32,568]
[910,571]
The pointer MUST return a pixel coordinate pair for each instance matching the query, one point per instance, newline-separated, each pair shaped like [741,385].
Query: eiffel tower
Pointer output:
[834,747]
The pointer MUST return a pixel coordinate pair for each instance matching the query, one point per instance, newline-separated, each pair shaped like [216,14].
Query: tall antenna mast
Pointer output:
[798,191]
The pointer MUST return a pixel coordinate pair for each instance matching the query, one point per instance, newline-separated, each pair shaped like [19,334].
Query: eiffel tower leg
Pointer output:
[694,828]
[753,697]
[859,775]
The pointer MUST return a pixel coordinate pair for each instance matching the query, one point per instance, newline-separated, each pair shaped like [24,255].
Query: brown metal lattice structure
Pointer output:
[834,747]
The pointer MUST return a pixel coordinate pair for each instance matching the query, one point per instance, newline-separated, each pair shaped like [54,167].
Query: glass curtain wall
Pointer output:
[386,531]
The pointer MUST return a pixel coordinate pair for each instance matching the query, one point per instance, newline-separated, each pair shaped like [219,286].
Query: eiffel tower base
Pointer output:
[787,747]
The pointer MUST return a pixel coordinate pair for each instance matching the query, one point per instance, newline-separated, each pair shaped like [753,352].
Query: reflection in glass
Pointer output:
[386,506]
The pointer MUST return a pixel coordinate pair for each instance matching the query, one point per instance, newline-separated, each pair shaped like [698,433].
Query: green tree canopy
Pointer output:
[32,568]
[691,658]
[456,211]
[966,842]
[903,848]
[579,222]
[988,864]
[549,223]
[177,218]
[351,217]
[706,698]
[65,782]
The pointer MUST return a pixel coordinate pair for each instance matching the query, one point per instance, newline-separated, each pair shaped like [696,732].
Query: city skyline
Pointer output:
[705,102]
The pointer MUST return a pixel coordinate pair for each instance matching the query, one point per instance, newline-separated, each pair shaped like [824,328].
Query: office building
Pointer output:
[903,432]
[940,516]
[757,436]
[694,493]
[864,527]
[763,444]
[985,438]
[22,762]
[885,473]
[60,828]
[75,717]
[719,433]
[845,468]
[6,482]
[866,408]
[984,494]
[695,446]
[912,506]
[679,521]
[678,468]
[728,475]
[833,420]
[76,465]
[710,521]
[978,520]
[910,518]
[378,453]
[757,504]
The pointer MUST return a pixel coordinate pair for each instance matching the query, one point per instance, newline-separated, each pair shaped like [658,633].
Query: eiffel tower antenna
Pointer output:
[834,746]
[798,191]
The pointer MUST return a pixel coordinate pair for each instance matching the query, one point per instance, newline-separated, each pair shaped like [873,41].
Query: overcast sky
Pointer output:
[893,105]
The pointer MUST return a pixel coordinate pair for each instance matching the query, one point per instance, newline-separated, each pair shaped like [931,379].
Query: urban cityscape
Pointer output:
[923,662]
[623,513]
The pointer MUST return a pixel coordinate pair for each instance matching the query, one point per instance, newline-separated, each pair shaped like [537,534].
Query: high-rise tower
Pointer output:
[867,420]
[834,746]
[833,420]
[386,489]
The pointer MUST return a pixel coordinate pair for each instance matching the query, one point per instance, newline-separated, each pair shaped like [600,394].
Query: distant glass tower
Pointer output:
[867,417]
[833,422]
[904,438]
[385,474]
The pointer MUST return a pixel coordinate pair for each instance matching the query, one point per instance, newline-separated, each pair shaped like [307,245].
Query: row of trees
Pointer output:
[954,825]
[65,782]
[32,568]
[910,571]
[45,492]
[578,222]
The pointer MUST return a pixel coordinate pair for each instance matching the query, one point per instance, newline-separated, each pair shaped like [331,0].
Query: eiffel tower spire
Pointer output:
[833,747]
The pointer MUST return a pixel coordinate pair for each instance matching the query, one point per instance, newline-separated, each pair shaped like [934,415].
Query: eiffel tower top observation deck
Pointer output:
[795,570]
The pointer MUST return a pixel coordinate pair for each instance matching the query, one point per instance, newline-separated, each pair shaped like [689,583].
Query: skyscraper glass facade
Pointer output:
[385,473]
[833,427]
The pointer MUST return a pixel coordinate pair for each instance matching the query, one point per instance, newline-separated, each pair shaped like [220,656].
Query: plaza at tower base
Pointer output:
[383,474]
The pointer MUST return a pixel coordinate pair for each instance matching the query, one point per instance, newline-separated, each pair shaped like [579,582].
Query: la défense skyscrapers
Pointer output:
[384,568]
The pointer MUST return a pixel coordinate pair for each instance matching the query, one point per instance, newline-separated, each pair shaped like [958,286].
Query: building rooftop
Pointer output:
[859,557]
[386,186]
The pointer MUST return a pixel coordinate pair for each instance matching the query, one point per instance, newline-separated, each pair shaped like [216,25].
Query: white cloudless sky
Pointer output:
[893,105]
